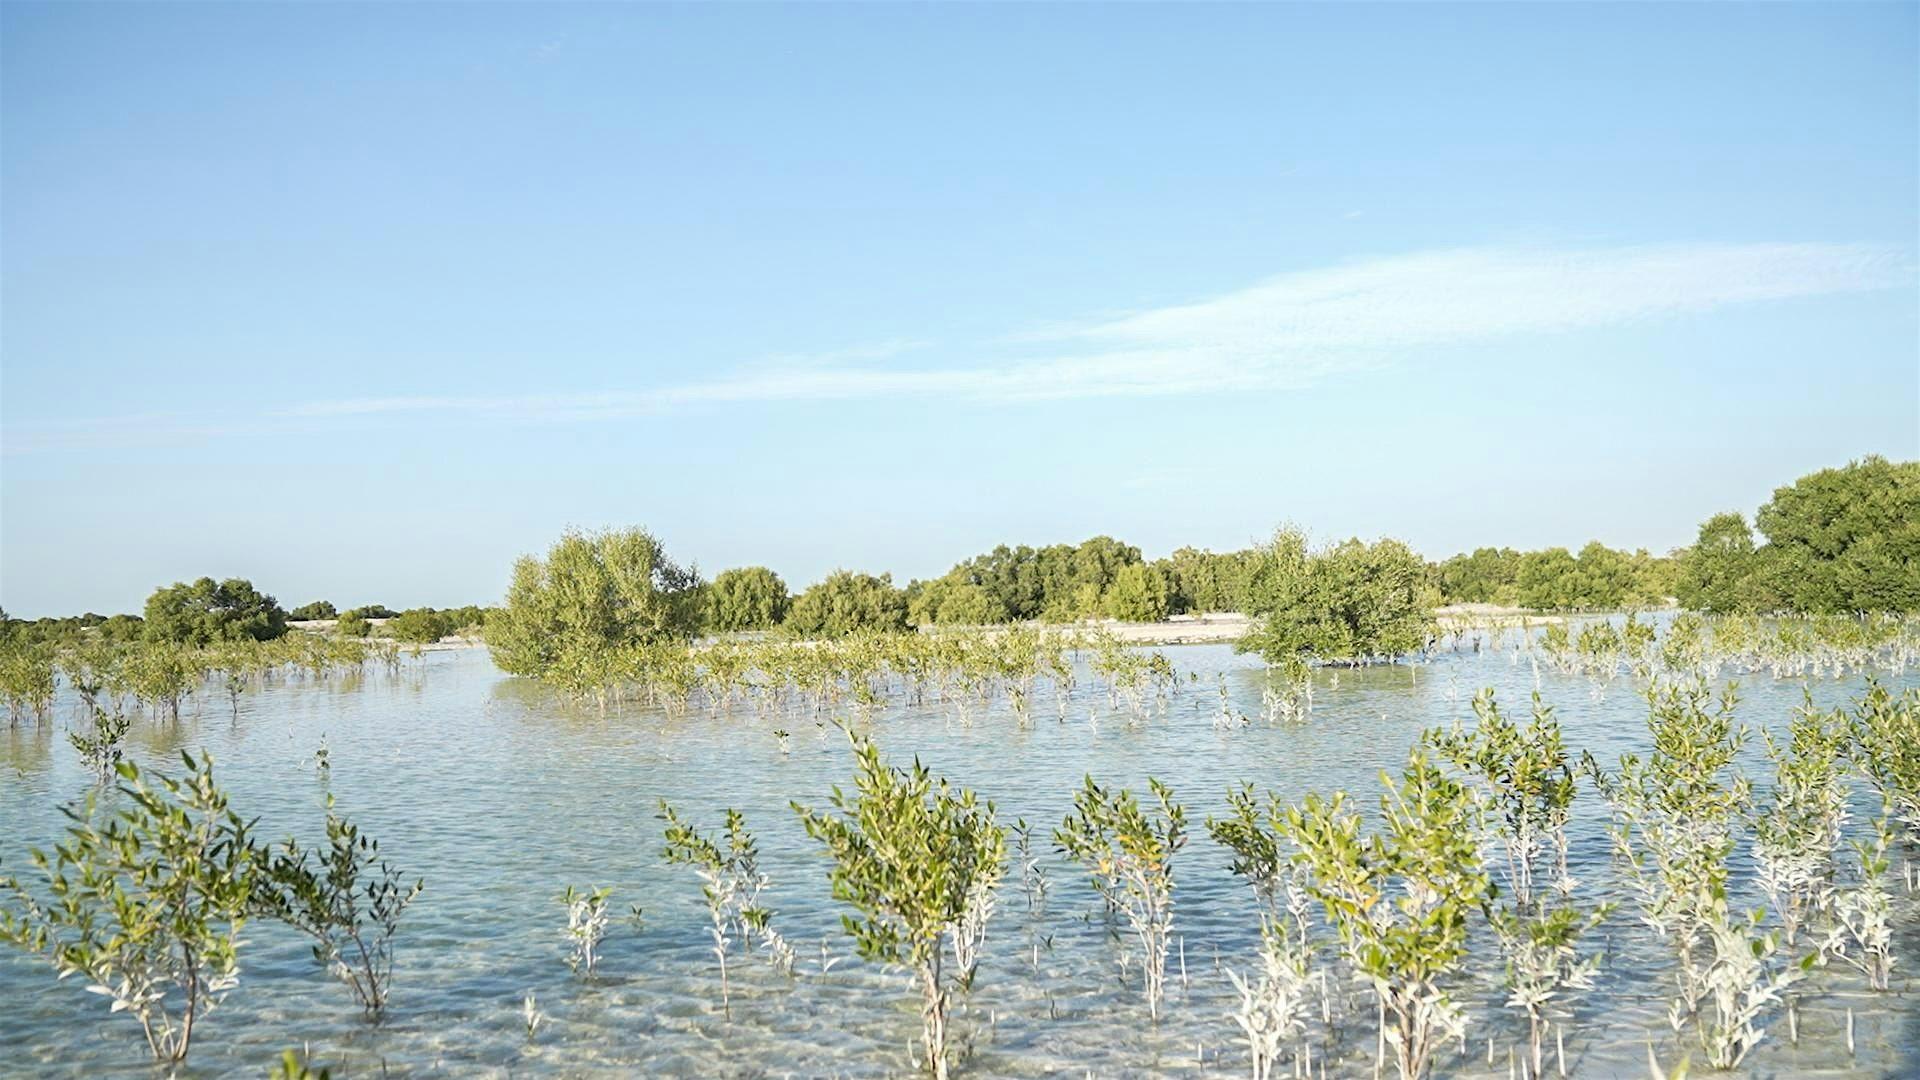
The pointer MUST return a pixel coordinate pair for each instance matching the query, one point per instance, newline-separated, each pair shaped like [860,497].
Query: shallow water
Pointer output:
[500,795]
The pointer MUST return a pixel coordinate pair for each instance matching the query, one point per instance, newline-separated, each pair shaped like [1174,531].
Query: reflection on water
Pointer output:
[500,796]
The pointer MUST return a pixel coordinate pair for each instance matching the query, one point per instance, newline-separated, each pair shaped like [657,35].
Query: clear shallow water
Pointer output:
[500,794]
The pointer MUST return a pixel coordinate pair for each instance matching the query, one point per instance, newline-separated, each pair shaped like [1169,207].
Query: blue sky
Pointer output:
[363,301]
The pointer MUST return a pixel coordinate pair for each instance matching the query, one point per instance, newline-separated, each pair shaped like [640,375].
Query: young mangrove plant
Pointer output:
[586,926]
[146,907]
[1273,1003]
[1273,1008]
[731,883]
[1796,832]
[913,856]
[1545,965]
[1401,901]
[1129,853]
[347,899]
[1524,773]
[1033,880]
[1675,814]
[1886,747]
[99,746]
[1861,933]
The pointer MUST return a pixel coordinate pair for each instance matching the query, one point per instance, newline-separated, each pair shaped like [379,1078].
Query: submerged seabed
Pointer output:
[500,794]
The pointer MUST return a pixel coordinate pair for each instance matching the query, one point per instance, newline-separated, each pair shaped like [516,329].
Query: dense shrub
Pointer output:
[746,598]
[420,626]
[1838,540]
[847,602]
[592,592]
[207,611]
[319,609]
[1352,602]
[949,601]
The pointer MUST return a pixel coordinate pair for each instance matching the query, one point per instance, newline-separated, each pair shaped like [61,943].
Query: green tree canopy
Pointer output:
[1138,593]
[1845,540]
[1201,581]
[1352,602]
[1836,541]
[593,591]
[746,598]
[319,609]
[420,626]
[846,602]
[1719,571]
[951,601]
[206,611]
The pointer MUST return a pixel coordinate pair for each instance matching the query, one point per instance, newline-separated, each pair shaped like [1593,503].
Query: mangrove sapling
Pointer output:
[1862,930]
[911,855]
[731,883]
[1400,901]
[1886,747]
[99,748]
[530,1015]
[160,674]
[1796,833]
[1526,777]
[1254,834]
[349,902]
[1273,1004]
[147,907]
[1544,964]
[1743,978]
[586,926]
[1129,854]
[1033,880]
[1674,819]
[27,680]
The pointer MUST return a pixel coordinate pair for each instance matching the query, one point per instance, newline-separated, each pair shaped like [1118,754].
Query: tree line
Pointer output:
[1836,541]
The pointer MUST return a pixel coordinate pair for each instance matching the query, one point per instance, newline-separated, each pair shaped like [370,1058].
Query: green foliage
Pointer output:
[207,611]
[147,907]
[731,883]
[1353,602]
[592,593]
[1599,578]
[349,901]
[1401,900]
[27,681]
[1720,573]
[353,624]
[160,674]
[1058,582]
[949,601]
[1138,593]
[292,1066]
[1837,541]
[1129,854]
[914,857]
[1886,747]
[1528,781]
[1845,540]
[746,598]
[847,602]
[420,626]
[319,609]
[1203,581]
[1488,576]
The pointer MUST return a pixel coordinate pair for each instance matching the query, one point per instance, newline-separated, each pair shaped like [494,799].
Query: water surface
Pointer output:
[500,795]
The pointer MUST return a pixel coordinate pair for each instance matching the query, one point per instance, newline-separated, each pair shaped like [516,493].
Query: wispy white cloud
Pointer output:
[1285,332]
